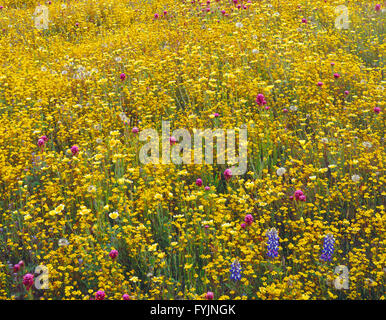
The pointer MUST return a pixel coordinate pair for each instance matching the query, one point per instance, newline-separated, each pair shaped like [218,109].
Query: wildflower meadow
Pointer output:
[192,150]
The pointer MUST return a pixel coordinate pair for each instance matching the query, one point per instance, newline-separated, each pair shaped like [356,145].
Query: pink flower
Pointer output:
[228,174]
[16,268]
[206,226]
[126,297]
[74,150]
[336,75]
[243,225]
[298,193]
[260,99]
[207,188]
[100,295]
[21,263]
[248,219]
[41,142]
[216,114]
[377,7]
[302,197]
[304,20]
[199,182]
[346,93]
[122,76]
[172,140]
[285,110]
[28,280]
[209,295]
[156,16]
[377,110]
[165,12]
[320,83]
[44,138]
[135,130]
[113,254]
[332,64]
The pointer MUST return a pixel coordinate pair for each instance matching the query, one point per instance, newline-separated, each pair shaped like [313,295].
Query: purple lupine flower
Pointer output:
[328,247]
[272,243]
[235,270]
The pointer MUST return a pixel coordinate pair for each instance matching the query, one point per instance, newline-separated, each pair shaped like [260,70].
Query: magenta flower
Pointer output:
[377,110]
[100,295]
[336,75]
[126,297]
[172,140]
[243,225]
[113,254]
[28,280]
[21,263]
[156,16]
[260,99]
[377,7]
[16,268]
[74,150]
[122,76]
[320,83]
[209,295]
[228,174]
[207,188]
[304,20]
[299,195]
[199,182]
[285,110]
[248,219]
[41,142]
[44,138]
[346,93]
[135,130]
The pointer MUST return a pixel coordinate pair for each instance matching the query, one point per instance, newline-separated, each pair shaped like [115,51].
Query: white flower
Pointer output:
[91,189]
[324,140]
[255,51]
[355,178]
[367,144]
[118,59]
[63,242]
[239,25]
[281,171]
[293,108]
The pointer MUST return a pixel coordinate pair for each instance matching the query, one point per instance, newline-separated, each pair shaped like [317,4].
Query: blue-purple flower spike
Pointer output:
[272,243]
[235,270]
[328,247]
